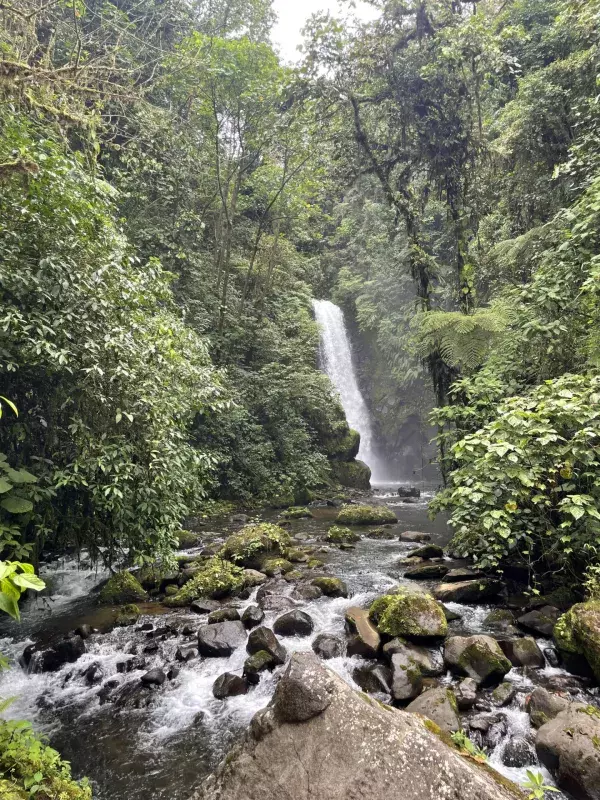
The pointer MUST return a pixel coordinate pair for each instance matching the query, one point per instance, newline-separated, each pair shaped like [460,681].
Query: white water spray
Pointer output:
[336,357]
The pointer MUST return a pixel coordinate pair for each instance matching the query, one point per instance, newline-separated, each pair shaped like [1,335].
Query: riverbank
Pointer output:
[162,743]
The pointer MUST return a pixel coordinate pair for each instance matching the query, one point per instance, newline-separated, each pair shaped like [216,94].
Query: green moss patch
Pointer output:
[365,515]
[407,613]
[338,534]
[254,544]
[121,589]
[215,579]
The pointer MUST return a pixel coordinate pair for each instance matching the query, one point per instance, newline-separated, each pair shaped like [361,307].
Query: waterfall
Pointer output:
[336,359]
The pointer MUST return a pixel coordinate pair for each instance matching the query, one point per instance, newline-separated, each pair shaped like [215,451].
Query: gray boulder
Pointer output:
[294,623]
[440,706]
[426,572]
[466,694]
[429,661]
[229,685]
[327,645]
[477,591]
[407,679]
[221,639]
[518,753]
[374,679]
[567,746]
[461,574]
[223,615]
[523,652]
[540,620]
[320,739]
[364,639]
[544,706]
[252,616]
[264,639]
[414,536]
[479,657]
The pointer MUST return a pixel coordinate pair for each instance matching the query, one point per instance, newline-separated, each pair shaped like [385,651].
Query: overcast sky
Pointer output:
[294,13]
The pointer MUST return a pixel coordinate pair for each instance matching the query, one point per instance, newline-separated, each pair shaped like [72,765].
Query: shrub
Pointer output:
[32,769]
[527,484]
[216,578]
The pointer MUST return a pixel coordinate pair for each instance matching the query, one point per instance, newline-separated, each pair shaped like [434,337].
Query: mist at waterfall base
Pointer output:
[337,362]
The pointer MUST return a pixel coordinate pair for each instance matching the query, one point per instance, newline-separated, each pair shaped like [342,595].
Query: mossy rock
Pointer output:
[216,579]
[365,515]
[578,632]
[332,587]
[314,563]
[155,576]
[128,615]
[188,539]
[338,534]
[344,447]
[297,512]
[296,555]
[293,576]
[171,590]
[277,566]
[381,534]
[352,474]
[408,613]
[254,544]
[122,588]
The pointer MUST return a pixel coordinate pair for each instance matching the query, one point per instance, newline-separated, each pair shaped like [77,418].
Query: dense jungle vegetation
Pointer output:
[172,197]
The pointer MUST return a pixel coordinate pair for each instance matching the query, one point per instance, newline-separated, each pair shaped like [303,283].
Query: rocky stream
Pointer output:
[136,707]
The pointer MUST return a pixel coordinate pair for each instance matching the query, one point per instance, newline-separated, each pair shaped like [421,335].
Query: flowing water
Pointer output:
[337,363]
[163,749]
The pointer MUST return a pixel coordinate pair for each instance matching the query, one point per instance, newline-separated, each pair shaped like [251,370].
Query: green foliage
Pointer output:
[592,582]
[16,578]
[526,484]
[465,745]
[29,768]
[538,788]
[122,588]
[338,534]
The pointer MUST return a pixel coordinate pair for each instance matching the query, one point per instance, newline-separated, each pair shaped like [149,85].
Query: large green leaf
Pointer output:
[16,505]
[9,605]
[5,486]
[27,581]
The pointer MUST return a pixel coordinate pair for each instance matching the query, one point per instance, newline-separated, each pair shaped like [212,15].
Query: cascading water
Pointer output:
[336,358]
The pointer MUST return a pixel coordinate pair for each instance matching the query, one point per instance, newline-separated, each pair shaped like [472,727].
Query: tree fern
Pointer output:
[462,340]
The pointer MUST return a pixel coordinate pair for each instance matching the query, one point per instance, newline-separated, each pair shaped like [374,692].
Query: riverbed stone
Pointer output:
[540,620]
[381,534]
[51,659]
[428,551]
[429,661]
[365,515]
[502,620]
[127,615]
[229,685]
[338,534]
[518,752]
[252,616]
[204,605]
[364,639]
[523,652]
[223,615]
[407,680]
[328,645]
[122,588]
[221,639]
[255,544]
[408,613]
[466,694]
[577,633]
[294,623]
[426,572]
[479,657]
[252,577]
[277,602]
[543,706]
[440,706]
[460,574]
[476,591]
[504,694]
[414,536]
[155,677]
[263,638]
[374,678]
[568,746]
[256,664]
[306,591]
[349,748]
[332,587]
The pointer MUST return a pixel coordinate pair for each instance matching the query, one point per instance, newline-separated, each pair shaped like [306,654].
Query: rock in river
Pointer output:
[568,746]
[65,651]
[221,639]
[477,591]
[229,685]
[320,739]
[479,657]
[523,652]
[438,705]
[408,613]
[364,638]
[264,639]
[294,623]
[328,645]
[252,616]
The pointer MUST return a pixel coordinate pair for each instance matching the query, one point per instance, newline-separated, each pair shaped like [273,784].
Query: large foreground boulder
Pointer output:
[320,739]
[568,746]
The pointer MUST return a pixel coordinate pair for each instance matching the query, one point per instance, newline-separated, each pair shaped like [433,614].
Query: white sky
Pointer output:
[294,13]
